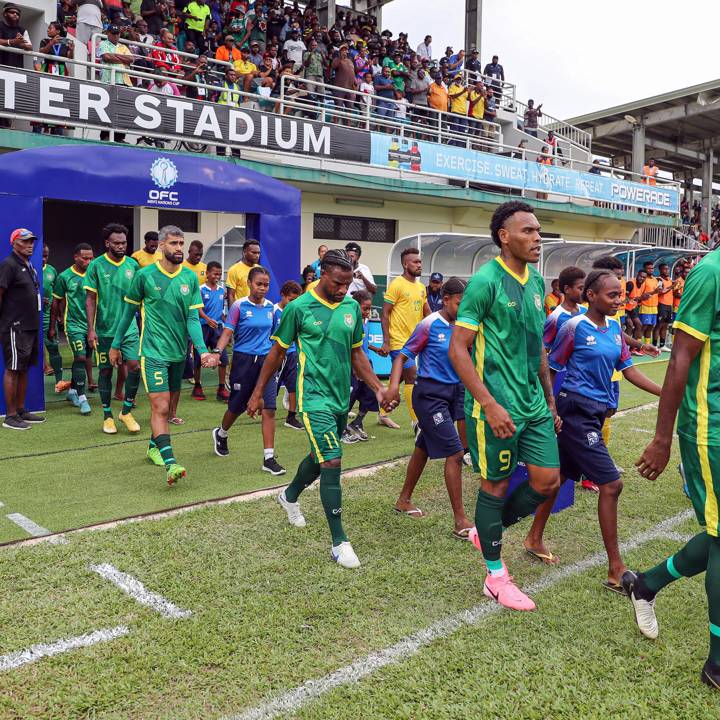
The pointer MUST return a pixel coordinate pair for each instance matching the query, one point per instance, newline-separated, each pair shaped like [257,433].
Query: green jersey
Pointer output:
[506,312]
[69,287]
[325,334]
[166,301]
[110,281]
[49,275]
[699,316]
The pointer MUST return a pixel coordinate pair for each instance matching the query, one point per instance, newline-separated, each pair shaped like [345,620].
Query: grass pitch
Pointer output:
[271,611]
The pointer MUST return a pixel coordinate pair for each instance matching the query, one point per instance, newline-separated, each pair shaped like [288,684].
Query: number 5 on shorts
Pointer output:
[505,459]
[158,377]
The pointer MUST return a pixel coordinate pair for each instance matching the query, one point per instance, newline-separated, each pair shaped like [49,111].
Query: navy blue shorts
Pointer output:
[288,372]
[438,406]
[582,448]
[244,375]
[409,362]
[362,394]
[211,337]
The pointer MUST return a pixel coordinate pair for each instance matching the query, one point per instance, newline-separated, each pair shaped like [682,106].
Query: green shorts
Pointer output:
[324,430]
[533,443]
[161,376]
[701,464]
[130,350]
[78,344]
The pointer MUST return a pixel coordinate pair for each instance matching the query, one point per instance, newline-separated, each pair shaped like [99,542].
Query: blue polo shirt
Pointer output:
[430,343]
[590,355]
[554,321]
[213,304]
[251,325]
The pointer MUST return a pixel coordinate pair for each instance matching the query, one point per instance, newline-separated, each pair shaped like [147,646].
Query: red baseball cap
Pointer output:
[22,234]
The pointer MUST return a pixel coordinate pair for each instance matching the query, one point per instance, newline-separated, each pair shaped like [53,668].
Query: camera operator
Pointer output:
[362,277]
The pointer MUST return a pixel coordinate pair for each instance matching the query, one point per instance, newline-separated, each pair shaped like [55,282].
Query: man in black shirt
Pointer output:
[153,12]
[434,292]
[20,306]
[12,34]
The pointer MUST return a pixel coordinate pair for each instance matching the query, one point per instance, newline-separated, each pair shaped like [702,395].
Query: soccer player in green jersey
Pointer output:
[169,298]
[49,276]
[107,281]
[692,386]
[327,326]
[69,299]
[509,405]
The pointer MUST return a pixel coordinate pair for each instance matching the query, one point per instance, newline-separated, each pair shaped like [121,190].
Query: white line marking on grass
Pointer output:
[137,591]
[293,700]
[41,650]
[28,525]
[677,536]
[639,408]
[2,504]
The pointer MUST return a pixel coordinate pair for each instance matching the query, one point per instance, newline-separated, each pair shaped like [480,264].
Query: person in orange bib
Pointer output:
[632,312]
[649,301]
[665,307]
[650,172]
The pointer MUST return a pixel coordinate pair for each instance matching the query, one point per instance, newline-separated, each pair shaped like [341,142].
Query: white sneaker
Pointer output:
[343,554]
[644,609]
[294,513]
[665,348]
[387,422]
[286,400]
[467,459]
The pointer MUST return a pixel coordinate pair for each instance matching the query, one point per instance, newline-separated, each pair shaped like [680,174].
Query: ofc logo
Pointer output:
[164,173]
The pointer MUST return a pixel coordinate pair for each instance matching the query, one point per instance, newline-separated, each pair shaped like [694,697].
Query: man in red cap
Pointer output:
[20,306]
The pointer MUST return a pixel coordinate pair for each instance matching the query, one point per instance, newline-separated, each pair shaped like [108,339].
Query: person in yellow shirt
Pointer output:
[237,277]
[149,254]
[458,95]
[476,108]
[404,306]
[195,253]
[554,298]
[197,18]
[245,69]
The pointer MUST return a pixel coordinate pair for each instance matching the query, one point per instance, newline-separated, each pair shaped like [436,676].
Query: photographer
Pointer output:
[362,277]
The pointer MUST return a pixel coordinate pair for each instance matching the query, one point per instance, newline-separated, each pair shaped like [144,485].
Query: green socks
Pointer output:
[523,501]
[55,358]
[712,588]
[691,560]
[132,383]
[163,445]
[308,471]
[79,376]
[331,498]
[488,521]
[105,390]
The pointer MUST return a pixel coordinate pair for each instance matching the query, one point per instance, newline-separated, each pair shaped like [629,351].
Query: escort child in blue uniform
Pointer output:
[590,347]
[249,324]
[212,314]
[438,397]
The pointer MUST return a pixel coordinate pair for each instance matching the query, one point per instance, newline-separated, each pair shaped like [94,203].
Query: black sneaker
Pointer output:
[221,447]
[710,674]
[32,418]
[15,422]
[359,432]
[294,423]
[273,467]
[349,437]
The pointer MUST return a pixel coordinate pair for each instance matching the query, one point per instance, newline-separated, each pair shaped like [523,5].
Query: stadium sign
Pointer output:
[38,96]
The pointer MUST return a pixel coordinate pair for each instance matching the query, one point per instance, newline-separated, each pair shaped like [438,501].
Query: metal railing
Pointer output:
[669,237]
[573,135]
[504,92]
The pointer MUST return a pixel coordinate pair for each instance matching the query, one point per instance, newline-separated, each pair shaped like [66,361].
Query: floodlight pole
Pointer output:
[473,26]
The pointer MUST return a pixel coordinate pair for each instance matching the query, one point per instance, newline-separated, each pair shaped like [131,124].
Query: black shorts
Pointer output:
[288,372]
[633,314]
[438,406]
[244,375]
[665,313]
[211,336]
[362,393]
[581,445]
[20,349]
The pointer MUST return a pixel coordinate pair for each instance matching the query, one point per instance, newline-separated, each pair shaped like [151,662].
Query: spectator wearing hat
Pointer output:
[424,49]
[434,292]
[495,70]
[115,58]
[345,83]
[20,306]
[472,64]
[256,57]
[227,52]
[362,277]
[13,34]
[437,94]
[246,71]
[293,49]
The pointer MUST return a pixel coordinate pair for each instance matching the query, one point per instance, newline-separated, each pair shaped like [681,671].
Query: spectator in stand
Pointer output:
[57,45]
[346,83]
[455,62]
[362,276]
[154,12]
[89,20]
[434,292]
[650,172]
[385,90]
[125,17]
[595,167]
[458,96]
[424,49]
[198,73]
[314,64]
[398,71]
[308,277]
[401,107]
[143,35]
[228,52]
[555,149]
[417,90]
[472,64]
[530,119]
[367,89]
[115,59]
[246,70]
[362,63]
[256,57]
[164,55]
[197,20]
[495,70]
[14,35]
[315,265]
[293,49]
[476,108]
[229,90]
[161,86]
[490,106]
[437,94]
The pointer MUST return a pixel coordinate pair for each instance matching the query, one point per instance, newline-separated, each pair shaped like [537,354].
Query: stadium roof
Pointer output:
[678,129]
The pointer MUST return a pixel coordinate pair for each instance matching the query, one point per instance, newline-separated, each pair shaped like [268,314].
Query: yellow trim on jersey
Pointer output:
[112,262]
[91,289]
[690,331]
[703,417]
[196,307]
[357,344]
[324,302]
[480,435]
[142,374]
[165,272]
[72,269]
[479,366]
[522,280]
[467,326]
[318,455]
[132,302]
[276,339]
[301,375]
[57,297]
[142,332]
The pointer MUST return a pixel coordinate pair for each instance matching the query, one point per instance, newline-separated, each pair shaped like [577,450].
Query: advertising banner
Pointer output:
[491,169]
